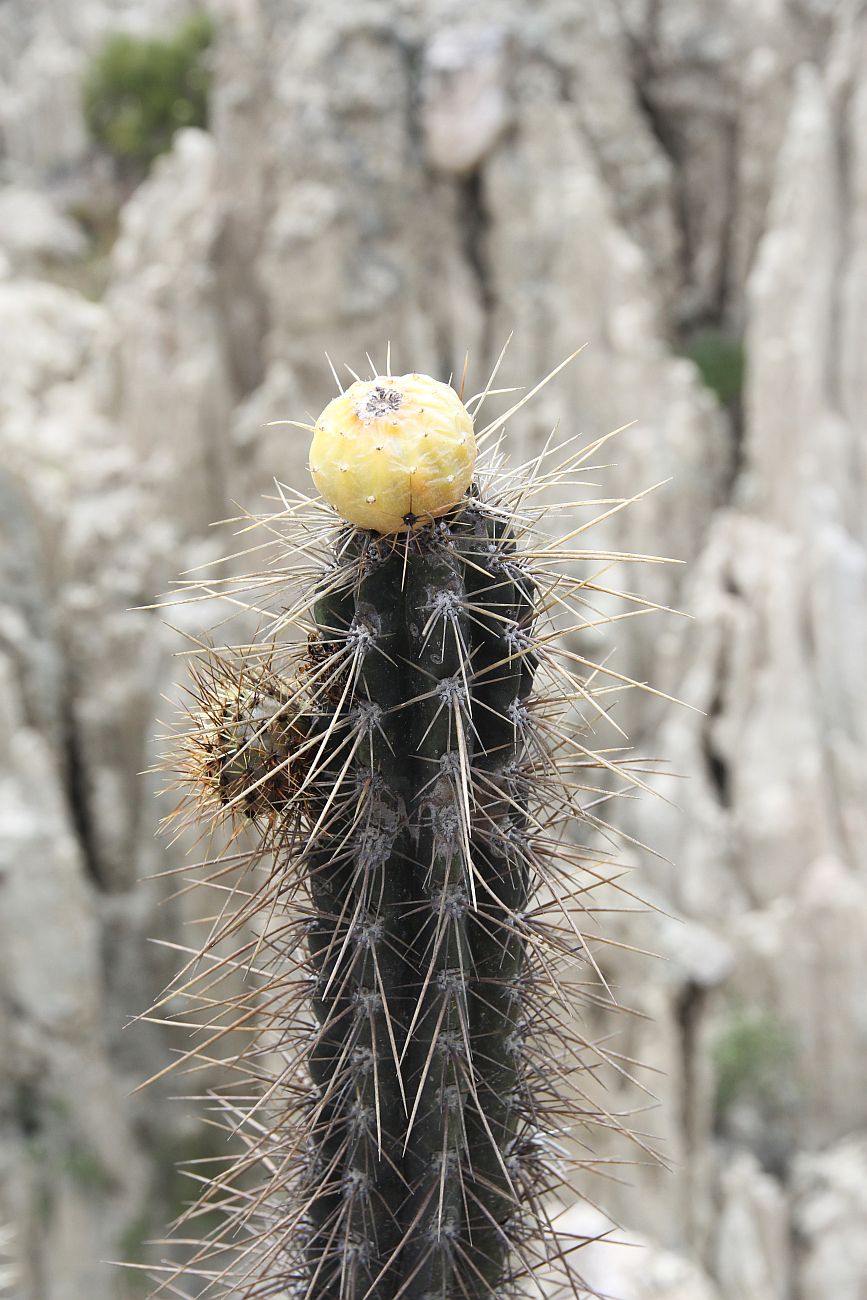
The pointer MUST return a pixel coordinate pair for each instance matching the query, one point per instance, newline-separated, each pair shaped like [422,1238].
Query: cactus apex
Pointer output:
[393,451]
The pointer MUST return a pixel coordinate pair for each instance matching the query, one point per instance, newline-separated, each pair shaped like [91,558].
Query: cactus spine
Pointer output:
[412,771]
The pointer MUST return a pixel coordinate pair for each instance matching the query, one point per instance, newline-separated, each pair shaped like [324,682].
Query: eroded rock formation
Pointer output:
[618,173]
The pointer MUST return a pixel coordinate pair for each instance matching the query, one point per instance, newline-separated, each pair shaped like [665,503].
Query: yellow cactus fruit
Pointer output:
[393,451]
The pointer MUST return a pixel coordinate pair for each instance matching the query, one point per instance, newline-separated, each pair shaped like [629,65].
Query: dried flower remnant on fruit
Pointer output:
[393,452]
[380,402]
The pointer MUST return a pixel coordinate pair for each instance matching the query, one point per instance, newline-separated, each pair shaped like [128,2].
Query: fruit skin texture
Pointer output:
[393,451]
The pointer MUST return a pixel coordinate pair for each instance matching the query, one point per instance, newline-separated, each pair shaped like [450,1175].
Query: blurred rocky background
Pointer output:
[683,184]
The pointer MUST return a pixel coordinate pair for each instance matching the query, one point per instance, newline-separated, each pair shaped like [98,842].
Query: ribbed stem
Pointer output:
[417,871]
[329,875]
[439,1049]
[380,893]
[503,677]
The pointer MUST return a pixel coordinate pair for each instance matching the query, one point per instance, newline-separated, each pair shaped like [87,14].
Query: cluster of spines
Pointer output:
[419,959]
[416,904]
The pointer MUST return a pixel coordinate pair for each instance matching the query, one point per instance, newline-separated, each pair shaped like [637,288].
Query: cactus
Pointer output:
[402,756]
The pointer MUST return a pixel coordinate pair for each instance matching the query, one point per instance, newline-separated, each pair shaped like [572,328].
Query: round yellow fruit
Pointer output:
[393,451]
